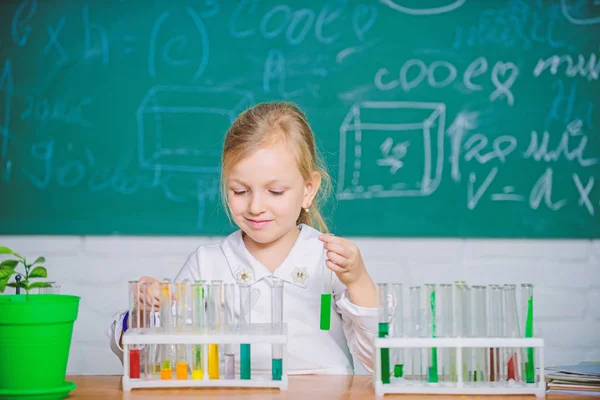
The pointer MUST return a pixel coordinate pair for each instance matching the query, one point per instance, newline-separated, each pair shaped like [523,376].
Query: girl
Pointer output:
[271,179]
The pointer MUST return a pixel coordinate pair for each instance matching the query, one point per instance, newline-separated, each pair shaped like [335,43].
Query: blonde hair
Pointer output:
[267,124]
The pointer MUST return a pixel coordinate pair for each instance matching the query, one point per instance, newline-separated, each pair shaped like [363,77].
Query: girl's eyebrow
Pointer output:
[270,182]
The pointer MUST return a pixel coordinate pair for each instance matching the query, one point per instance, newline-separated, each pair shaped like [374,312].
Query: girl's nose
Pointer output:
[256,205]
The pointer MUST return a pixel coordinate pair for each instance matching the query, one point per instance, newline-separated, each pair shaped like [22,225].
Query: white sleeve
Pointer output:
[190,271]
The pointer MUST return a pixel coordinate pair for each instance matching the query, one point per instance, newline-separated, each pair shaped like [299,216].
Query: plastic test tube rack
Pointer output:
[257,333]
[407,386]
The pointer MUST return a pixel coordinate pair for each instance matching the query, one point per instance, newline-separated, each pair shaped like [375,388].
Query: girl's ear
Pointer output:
[311,188]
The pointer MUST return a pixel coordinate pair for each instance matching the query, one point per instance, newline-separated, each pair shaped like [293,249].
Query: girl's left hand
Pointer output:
[343,258]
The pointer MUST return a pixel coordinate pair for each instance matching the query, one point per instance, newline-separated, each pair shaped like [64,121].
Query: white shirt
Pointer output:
[310,350]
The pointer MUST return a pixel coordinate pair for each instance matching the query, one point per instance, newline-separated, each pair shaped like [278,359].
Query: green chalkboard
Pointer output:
[462,119]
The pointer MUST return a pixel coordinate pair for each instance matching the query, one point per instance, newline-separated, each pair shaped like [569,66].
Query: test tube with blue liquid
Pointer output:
[277,327]
[383,317]
[230,327]
[214,325]
[245,324]
[198,304]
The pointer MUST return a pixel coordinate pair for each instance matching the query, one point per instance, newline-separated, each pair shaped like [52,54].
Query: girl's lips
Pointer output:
[258,224]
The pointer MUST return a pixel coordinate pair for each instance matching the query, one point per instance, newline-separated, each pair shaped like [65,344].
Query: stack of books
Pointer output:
[581,379]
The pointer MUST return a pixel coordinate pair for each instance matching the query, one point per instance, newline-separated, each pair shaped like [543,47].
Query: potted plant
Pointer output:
[35,333]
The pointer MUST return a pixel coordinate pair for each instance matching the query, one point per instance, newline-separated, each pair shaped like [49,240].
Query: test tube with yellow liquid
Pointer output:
[214,325]
[167,353]
[181,318]
[277,327]
[197,326]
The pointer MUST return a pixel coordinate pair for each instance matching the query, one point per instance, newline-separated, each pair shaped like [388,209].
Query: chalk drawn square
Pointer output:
[418,128]
[181,128]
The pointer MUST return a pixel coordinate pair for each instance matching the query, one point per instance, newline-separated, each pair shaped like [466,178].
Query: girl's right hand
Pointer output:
[147,293]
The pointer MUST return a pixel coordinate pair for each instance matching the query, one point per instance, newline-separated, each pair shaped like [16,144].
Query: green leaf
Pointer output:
[6,250]
[38,272]
[3,283]
[6,273]
[39,260]
[12,264]
[17,284]
[39,285]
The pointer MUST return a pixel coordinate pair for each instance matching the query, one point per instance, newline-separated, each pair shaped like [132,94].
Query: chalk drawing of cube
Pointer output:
[391,149]
[181,128]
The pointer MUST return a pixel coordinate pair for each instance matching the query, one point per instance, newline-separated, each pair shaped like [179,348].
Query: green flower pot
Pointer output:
[35,338]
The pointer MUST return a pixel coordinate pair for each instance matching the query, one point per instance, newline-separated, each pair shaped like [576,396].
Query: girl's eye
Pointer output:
[276,192]
[239,192]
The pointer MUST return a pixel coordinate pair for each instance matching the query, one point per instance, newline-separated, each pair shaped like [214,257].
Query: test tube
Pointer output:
[277,327]
[197,325]
[166,320]
[511,329]
[326,290]
[479,330]
[463,323]
[416,330]
[398,330]
[431,331]
[214,324]
[229,323]
[527,318]
[445,328]
[181,317]
[245,323]
[384,318]
[134,321]
[495,330]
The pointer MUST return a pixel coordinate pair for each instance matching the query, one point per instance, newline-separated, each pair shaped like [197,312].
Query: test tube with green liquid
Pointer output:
[167,358]
[214,325]
[245,324]
[416,331]
[478,330]
[383,317]
[445,329]
[198,305]
[398,330]
[511,330]
[527,318]
[326,290]
[229,323]
[431,330]
[463,323]
[495,330]
[277,327]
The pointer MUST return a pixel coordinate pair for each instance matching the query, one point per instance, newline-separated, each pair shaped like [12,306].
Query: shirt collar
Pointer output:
[295,268]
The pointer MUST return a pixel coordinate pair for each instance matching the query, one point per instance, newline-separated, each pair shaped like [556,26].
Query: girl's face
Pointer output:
[266,193]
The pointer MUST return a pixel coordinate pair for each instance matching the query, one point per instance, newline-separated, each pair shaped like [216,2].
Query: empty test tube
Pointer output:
[528,355]
[445,329]
[134,321]
[478,329]
[511,329]
[167,351]
[229,325]
[214,325]
[463,323]
[383,317]
[495,330]
[398,330]
[245,323]
[277,327]
[198,305]
[416,331]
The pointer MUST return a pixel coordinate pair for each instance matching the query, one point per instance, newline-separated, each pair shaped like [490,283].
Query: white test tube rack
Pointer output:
[256,334]
[408,386]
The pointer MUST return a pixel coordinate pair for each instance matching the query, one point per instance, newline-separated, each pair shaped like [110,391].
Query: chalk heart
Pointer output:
[501,69]
[363,19]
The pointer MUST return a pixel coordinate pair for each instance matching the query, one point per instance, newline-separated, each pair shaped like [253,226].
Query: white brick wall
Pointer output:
[566,274]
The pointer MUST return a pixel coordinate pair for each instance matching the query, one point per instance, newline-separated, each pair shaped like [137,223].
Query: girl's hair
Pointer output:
[267,124]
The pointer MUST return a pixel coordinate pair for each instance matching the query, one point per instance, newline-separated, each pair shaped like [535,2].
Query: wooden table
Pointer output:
[345,387]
